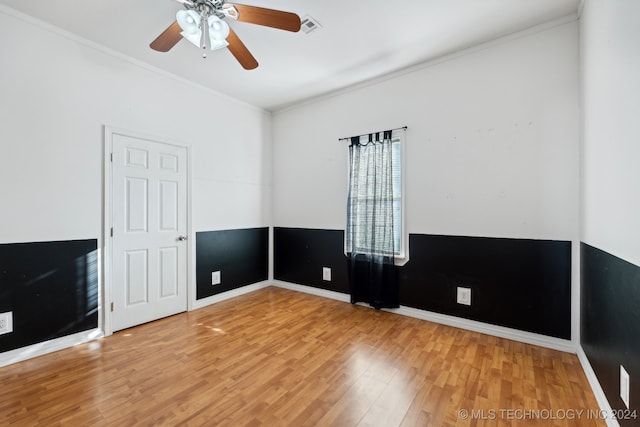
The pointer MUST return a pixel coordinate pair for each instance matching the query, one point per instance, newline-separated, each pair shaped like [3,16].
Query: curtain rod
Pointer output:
[371,133]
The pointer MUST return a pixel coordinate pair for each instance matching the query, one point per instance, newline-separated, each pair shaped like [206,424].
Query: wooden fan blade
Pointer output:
[268,17]
[240,51]
[167,39]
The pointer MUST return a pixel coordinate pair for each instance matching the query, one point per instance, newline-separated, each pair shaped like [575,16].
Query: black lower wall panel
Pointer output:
[517,283]
[610,324]
[51,288]
[241,256]
[300,254]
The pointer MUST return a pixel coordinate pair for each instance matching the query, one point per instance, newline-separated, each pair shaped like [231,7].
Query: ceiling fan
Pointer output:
[211,15]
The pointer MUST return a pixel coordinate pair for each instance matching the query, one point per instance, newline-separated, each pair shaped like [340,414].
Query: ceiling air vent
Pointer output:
[309,24]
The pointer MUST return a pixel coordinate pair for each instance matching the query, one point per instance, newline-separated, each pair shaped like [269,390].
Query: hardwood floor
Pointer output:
[281,358]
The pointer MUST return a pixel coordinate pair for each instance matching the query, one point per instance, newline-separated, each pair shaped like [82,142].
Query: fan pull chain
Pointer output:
[204,30]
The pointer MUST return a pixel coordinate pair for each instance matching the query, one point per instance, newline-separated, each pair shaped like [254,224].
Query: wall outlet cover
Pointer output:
[6,322]
[464,296]
[326,274]
[215,277]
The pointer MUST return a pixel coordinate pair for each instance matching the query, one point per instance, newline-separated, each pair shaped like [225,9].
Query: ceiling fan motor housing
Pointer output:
[207,7]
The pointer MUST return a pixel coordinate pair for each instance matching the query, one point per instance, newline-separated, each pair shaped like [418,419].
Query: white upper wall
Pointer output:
[57,93]
[611,127]
[492,144]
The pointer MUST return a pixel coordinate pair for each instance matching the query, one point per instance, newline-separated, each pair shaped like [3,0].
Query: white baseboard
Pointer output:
[339,296]
[601,398]
[488,329]
[457,322]
[229,294]
[45,347]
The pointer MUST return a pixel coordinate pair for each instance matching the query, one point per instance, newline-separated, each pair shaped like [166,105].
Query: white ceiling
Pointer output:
[359,39]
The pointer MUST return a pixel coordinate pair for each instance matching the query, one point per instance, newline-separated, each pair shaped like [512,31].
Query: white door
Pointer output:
[149,216]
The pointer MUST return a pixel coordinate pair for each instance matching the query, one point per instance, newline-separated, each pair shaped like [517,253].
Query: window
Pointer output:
[375,202]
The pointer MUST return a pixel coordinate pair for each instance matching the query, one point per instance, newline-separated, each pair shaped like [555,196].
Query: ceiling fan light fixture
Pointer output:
[218,32]
[192,38]
[188,21]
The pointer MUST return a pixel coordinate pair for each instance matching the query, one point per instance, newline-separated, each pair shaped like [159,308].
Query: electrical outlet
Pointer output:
[464,296]
[6,322]
[215,277]
[326,274]
[624,386]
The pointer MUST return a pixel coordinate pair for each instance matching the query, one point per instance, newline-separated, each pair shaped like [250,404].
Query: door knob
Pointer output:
[182,238]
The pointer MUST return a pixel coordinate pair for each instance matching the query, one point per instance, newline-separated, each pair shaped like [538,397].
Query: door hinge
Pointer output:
[111,231]
[111,306]
[111,157]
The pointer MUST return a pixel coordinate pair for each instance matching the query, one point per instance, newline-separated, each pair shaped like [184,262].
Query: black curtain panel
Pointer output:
[373,280]
[372,204]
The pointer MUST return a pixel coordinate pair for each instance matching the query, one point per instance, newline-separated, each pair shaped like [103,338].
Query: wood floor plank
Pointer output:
[276,357]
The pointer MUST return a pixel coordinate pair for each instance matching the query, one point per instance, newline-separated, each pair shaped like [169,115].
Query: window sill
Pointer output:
[399,260]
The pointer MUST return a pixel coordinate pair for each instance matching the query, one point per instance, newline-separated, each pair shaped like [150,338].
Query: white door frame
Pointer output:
[104,320]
